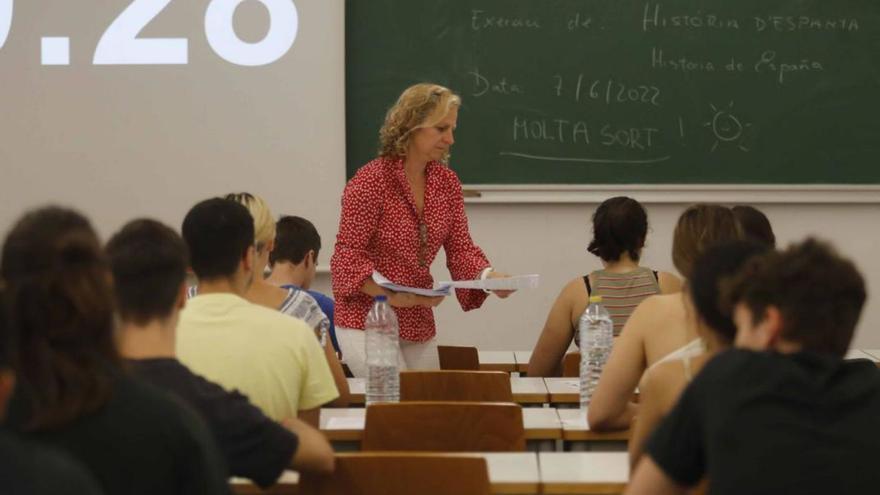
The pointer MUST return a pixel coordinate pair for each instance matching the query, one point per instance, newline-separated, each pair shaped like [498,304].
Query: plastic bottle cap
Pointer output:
[595,299]
[380,298]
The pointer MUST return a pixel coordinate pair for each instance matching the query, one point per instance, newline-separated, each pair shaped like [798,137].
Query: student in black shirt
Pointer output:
[784,413]
[73,393]
[27,469]
[149,263]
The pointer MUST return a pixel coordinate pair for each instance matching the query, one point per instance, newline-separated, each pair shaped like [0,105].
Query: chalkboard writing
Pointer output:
[630,92]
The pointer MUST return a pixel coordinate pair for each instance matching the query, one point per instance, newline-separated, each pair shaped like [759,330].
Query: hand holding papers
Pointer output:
[445,288]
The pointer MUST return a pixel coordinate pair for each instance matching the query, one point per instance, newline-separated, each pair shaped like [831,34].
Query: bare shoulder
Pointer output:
[664,382]
[669,283]
[660,303]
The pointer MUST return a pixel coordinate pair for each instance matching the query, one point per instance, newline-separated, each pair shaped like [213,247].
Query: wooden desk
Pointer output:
[525,390]
[509,473]
[522,360]
[563,390]
[576,429]
[497,361]
[583,472]
[347,424]
[525,473]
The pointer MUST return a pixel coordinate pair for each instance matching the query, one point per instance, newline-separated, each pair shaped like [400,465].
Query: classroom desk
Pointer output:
[497,361]
[583,472]
[525,390]
[347,424]
[522,360]
[577,436]
[563,390]
[524,473]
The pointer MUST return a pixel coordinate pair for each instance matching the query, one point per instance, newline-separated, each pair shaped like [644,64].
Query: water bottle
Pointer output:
[382,348]
[596,332]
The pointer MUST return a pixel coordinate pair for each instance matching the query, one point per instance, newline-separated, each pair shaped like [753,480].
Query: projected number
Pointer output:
[5,20]
[120,44]
[283,25]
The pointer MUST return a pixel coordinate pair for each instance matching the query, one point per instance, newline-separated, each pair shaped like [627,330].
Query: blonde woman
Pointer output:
[294,302]
[397,212]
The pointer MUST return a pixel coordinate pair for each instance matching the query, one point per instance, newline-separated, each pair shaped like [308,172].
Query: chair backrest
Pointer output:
[458,358]
[372,473]
[480,386]
[571,365]
[444,427]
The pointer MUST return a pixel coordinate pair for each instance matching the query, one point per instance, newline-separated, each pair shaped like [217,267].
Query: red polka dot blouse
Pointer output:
[379,229]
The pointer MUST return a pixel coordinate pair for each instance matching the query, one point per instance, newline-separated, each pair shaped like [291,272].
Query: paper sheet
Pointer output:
[345,423]
[383,281]
[514,282]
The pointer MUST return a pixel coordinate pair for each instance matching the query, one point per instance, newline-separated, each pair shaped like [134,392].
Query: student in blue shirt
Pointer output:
[294,260]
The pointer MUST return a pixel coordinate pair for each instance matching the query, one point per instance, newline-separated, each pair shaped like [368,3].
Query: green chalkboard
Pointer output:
[626,92]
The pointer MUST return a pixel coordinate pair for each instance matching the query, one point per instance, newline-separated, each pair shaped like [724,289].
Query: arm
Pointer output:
[362,207]
[313,452]
[557,333]
[464,259]
[658,391]
[611,407]
[338,376]
[649,479]
[668,283]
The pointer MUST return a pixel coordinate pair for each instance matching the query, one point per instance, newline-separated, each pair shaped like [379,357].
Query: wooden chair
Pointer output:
[458,358]
[482,386]
[571,365]
[444,427]
[371,473]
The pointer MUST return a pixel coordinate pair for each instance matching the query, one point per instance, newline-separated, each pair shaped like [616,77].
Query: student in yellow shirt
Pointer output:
[272,358]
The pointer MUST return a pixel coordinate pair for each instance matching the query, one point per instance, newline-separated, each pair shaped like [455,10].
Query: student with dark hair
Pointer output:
[660,328]
[662,384]
[294,260]
[73,392]
[783,413]
[272,358]
[754,224]
[27,468]
[149,262]
[620,226]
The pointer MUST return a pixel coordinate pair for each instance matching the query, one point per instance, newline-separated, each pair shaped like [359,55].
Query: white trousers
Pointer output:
[412,356]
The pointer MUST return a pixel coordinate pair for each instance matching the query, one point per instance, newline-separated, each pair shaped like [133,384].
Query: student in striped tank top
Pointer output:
[662,327]
[620,225]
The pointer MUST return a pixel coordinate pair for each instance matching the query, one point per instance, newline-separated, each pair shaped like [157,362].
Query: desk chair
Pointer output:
[458,358]
[571,365]
[444,427]
[484,386]
[371,473]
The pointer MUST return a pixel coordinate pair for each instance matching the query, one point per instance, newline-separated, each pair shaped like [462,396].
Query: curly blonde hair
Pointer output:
[264,224]
[421,105]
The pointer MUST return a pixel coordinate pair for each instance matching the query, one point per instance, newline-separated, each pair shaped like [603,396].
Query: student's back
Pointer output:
[140,442]
[73,392]
[774,423]
[28,469]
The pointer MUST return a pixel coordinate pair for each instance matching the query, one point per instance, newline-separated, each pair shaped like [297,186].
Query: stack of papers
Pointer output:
[515,282]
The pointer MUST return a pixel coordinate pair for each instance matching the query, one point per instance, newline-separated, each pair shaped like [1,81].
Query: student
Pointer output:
[784,413]
[294,260]
[755,225]
[663,383]
[73,393]
[149,262]
[290,301]
[272,358]
[620,226]
[27,468]
[659,329]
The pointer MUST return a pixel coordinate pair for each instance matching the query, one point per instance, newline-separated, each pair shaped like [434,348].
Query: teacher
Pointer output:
[397,211]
